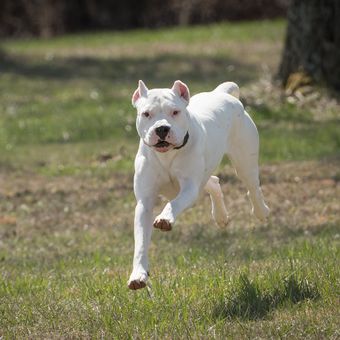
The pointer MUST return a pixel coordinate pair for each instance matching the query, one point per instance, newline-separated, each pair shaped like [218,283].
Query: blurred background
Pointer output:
[84,58]
[46,18]
[68,141]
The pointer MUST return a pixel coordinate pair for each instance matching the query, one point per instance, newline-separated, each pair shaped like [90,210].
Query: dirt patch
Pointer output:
[302,196]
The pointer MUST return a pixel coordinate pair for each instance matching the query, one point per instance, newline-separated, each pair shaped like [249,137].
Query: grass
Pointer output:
[246,31]
[67,143]
[248,300]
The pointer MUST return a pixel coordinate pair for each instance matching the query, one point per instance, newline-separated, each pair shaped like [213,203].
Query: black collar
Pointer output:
[185,140]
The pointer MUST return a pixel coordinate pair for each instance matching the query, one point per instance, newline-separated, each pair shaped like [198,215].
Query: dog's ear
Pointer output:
[141,91]
[181,90]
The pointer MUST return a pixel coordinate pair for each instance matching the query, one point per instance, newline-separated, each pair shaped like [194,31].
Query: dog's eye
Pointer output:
[146,114]
[175,113]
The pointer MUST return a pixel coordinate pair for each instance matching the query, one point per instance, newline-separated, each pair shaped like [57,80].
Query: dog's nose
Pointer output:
[162,131]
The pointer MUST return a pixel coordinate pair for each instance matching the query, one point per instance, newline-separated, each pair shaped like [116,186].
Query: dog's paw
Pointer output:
[138,280]
[162,224]
[261,213]
[222,222]
[221,217]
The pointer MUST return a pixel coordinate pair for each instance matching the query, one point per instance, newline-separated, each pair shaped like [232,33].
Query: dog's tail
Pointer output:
[229,87]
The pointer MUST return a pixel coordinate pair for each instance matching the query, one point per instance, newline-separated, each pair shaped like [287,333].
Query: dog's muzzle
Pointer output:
[162,144]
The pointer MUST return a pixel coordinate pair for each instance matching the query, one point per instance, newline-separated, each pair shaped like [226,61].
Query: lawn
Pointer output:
[67,144]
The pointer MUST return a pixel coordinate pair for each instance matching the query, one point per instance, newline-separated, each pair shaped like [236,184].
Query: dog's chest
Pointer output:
[169,188]
[167,170]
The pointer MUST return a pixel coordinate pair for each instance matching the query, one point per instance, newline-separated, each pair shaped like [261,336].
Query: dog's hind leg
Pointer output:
[218,209]
[244,157]
[250,178]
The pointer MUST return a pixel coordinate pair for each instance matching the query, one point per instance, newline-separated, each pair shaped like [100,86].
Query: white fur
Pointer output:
[217,125]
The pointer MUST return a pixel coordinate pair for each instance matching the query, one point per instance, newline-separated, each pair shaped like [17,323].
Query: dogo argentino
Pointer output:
[182,141]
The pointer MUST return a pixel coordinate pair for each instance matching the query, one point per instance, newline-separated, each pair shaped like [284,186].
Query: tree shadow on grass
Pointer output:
[163,68]
[249,301]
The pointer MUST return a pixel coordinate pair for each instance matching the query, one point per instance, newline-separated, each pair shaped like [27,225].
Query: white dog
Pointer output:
[182,141]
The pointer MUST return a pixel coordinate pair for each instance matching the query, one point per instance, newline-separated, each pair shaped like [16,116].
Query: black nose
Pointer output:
[162,131]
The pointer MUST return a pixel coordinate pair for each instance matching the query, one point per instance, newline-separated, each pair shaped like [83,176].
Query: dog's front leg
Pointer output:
[145,189]
[189,191]
[142,235]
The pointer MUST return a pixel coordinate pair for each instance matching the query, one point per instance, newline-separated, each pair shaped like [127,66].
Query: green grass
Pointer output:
[67,144]
[311,140]
[244,32]
[80,289]
[77,88]
[253,300]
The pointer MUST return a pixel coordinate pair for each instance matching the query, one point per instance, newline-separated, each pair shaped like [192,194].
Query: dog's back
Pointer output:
[217,110]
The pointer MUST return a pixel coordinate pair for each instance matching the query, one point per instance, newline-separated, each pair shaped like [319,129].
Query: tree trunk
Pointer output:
[313,41]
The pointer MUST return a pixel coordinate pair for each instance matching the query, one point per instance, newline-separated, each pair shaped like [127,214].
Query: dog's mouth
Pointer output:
[162,144]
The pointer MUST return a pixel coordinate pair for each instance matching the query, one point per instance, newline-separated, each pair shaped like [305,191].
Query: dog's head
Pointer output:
[162,118]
